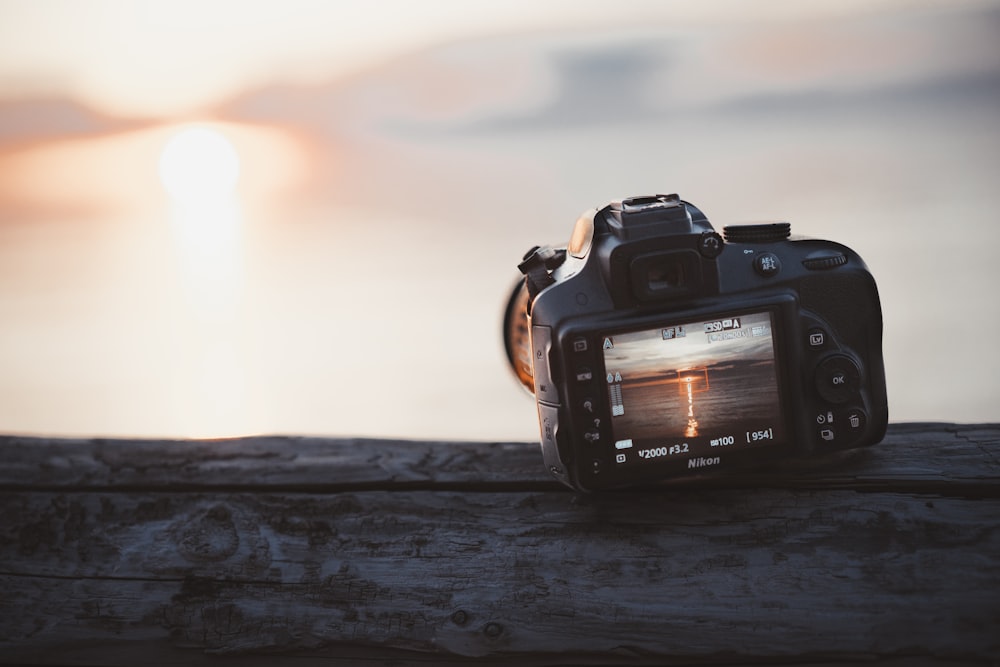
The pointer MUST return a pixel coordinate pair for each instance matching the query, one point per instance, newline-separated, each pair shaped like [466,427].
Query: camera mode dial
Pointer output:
[537,267]
[763,233]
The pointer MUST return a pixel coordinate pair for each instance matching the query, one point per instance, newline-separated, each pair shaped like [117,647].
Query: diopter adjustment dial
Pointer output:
[762,233]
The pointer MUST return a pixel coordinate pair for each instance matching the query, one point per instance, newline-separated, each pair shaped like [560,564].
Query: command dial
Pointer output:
[762,233]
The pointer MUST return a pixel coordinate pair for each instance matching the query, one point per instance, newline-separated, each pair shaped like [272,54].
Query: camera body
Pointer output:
[657,348]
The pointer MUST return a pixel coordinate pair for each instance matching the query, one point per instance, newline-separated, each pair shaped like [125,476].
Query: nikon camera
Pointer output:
[657,348]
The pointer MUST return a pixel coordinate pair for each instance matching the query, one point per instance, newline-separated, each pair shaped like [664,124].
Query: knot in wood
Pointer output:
[493,630]
[210,537]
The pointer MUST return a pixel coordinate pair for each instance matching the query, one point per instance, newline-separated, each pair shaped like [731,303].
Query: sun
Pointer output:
[199,165]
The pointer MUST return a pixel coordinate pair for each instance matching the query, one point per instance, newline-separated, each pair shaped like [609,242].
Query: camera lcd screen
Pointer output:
[693,389]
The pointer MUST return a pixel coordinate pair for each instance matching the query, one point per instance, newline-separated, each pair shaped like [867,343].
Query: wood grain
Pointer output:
[378,552]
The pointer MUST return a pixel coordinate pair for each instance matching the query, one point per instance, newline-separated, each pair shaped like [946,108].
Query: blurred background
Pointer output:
[238,217]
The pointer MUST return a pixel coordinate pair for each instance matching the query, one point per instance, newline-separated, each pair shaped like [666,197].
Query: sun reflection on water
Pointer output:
[692,381]
[199,169]
[692,423]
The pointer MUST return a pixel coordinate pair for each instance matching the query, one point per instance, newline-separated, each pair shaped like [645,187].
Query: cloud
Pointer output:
[28,120]
[548,80]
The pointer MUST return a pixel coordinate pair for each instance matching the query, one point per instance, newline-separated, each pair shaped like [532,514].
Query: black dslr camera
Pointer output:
[657,348]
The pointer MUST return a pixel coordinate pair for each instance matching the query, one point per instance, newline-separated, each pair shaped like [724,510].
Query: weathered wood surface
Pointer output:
[318,551]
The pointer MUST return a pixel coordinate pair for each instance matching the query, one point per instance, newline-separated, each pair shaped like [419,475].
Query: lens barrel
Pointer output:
[516,340]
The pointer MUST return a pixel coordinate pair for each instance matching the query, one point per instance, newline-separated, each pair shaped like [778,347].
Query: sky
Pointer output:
[648,353]
[346,273]
[154,59]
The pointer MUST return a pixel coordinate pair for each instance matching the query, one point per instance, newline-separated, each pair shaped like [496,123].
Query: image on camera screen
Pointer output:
[695,388]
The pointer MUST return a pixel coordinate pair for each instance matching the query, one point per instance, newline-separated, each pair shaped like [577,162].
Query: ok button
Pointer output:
[838,378]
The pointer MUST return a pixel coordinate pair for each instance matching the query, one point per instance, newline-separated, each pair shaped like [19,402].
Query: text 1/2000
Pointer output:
[657,452]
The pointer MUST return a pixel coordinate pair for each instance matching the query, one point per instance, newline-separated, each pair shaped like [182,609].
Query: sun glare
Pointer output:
[199,165]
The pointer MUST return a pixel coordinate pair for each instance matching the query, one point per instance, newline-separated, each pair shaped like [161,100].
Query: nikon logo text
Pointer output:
[702,462]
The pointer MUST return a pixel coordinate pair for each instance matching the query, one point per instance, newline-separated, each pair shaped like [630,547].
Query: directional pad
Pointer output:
[838,379]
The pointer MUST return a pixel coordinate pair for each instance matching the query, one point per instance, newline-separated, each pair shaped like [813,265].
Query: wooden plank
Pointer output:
[950,455]
[264,462]
[435,569]
[761,574]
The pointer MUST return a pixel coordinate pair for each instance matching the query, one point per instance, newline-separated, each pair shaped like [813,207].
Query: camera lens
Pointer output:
[515,335]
